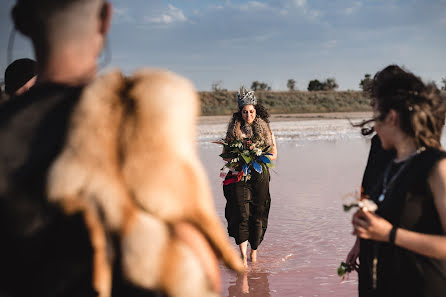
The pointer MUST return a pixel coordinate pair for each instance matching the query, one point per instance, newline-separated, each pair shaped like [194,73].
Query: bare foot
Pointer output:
[253,255]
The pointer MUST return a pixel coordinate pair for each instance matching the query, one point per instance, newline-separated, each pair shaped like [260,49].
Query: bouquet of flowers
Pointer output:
[243,156]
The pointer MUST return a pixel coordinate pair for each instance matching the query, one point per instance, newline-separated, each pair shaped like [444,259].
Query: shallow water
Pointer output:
[308,233]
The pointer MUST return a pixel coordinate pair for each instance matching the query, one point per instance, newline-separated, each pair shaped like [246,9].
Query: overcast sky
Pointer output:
[237,42]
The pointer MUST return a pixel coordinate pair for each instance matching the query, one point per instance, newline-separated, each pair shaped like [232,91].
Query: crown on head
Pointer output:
[245,97]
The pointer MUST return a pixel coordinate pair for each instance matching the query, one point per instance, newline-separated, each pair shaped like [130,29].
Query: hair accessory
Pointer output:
[245,97]
[410,108]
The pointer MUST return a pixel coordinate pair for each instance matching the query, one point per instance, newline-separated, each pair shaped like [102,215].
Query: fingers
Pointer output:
[361,222]
[362,232]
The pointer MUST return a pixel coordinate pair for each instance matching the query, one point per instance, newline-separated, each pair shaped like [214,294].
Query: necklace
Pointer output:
[381,198]
[386,185]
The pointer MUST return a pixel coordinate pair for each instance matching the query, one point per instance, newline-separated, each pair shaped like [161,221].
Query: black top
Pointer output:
[376,164]
[408,204]
[43,252]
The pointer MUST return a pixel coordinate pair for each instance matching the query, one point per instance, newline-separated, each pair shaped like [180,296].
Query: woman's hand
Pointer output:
[353,255]
[368,225]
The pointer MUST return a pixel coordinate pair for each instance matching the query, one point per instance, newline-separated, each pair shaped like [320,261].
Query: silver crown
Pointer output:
[245,97]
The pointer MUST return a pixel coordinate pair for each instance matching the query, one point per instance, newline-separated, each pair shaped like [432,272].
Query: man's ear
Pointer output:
[393,117]
[106,17]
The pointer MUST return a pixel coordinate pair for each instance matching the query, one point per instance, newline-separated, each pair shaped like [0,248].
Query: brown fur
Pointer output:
[258,129]
[130,165]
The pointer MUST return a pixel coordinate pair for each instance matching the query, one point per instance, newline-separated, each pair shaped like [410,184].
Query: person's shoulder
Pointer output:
[259,122]
[38,100]
[435,154]
[171,87]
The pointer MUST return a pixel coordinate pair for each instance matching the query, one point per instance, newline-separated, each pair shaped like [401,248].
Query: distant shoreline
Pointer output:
[220,119]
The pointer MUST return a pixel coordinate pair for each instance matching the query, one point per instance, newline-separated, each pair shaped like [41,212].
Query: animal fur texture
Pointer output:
[258,129]
[130,165]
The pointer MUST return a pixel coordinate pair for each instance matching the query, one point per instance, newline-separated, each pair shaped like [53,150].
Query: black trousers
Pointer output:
[247,208]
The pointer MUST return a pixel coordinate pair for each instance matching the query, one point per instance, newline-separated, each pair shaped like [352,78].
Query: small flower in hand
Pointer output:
[344,269]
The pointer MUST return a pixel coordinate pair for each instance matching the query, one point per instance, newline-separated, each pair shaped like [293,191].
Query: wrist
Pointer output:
[392,235]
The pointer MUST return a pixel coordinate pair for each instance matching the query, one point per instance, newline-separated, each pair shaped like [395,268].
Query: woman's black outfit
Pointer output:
[247,208]
[248,202]
[408,204]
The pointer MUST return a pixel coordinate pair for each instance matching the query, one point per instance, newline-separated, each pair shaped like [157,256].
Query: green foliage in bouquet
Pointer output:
[246,155]
[344,268]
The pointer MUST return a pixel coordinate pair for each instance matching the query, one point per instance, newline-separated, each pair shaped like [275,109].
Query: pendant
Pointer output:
[381,197]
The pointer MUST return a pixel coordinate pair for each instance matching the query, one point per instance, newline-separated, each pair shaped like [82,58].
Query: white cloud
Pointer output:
[352,9]
[121,15]
[172,15]
[300,3]
[330,44]
[315,13]
[253,5]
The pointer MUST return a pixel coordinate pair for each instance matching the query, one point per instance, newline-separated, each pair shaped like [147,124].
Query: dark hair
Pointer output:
[420,107]
[18,73]
[260,112]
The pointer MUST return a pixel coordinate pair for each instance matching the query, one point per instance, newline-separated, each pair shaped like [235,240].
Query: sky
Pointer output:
[235,42]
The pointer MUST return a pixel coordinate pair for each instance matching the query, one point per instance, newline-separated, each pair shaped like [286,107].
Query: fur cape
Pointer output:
[130,166]
[259,129]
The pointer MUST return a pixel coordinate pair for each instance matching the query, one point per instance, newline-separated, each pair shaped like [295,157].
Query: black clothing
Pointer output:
[43,252]
[373,175]
[247,208]
[376,164]
[408,204]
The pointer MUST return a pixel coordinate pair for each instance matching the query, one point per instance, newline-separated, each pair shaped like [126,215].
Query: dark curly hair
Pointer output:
[420,107]
[260,112]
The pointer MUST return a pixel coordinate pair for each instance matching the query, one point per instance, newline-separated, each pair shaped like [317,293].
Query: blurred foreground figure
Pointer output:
[20,76]
[84,210]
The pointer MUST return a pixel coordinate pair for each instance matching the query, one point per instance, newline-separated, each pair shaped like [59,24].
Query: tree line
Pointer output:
[328,84]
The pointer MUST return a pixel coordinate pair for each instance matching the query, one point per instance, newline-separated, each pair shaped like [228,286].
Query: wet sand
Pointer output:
[308,233]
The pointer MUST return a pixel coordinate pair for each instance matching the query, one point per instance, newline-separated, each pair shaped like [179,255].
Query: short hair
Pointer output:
[39,19]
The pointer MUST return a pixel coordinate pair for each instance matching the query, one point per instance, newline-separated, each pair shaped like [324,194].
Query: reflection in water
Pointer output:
[250,283]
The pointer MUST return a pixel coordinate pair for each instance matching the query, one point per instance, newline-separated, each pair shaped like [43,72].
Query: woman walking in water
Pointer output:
[406,254]
[248,201]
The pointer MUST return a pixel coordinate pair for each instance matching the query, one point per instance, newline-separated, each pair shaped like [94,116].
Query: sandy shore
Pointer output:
[292,117]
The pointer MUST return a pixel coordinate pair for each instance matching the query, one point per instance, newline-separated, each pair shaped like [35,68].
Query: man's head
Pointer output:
[20,75]
[52,24]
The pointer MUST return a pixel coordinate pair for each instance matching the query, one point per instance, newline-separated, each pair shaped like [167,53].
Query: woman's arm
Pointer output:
[371,226]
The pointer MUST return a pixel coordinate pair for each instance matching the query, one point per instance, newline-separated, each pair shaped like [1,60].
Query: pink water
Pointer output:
[308,233]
